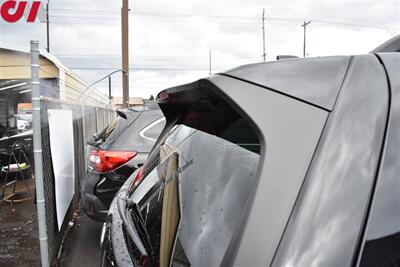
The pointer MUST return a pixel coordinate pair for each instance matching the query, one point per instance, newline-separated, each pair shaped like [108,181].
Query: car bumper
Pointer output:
[94,208]
[92,205]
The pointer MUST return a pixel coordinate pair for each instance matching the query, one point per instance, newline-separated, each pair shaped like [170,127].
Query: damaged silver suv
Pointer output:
[288,163]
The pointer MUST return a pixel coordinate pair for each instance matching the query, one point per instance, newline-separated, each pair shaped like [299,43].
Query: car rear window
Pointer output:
[153,130]
[133,138]
[115,128]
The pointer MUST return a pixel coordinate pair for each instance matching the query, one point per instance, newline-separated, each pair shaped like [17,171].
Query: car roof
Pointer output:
[313,80]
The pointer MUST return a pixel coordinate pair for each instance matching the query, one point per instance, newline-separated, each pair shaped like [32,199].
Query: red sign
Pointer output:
[12,11]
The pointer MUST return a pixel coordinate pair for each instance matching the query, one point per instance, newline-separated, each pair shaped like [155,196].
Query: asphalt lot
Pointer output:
[82,247]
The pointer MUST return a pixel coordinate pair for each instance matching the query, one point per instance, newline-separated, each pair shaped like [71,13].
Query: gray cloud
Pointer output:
[170,40]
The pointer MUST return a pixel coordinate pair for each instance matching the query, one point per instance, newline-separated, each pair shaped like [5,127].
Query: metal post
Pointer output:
[125,52]
[48,26]
[7,112]
[209,61]
[104,117]
[84,134]
[109,89]
[83,122]
[96,120]
[37,151]
[263,29]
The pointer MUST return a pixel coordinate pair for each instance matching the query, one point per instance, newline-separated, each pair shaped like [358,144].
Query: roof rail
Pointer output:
[393,45]
[281,57]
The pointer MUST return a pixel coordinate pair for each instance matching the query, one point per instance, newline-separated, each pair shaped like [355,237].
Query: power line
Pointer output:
[239,23]
[136,69]
[236,3]
[189,15]
[157,57]
[101,60]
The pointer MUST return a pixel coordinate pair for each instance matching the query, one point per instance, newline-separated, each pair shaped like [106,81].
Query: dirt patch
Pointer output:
[19,243]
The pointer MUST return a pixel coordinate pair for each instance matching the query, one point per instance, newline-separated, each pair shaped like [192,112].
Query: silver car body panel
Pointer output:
[307,202]
[314,80]
[384,220]
[207,192]
[327,220]
[222,184]
[383,224]
[208,218]
[390,46]
[289,132]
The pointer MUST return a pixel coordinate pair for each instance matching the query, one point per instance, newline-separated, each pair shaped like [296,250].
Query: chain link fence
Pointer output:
[87,120]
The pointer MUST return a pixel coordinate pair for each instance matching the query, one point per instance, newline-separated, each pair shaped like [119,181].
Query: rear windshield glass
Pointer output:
[135,137]
[115,128]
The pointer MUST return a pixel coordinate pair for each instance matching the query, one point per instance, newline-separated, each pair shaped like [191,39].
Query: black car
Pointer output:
[114,154]
[288,163]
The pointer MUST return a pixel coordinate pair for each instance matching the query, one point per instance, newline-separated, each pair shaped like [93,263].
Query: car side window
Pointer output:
[153,130]
[242,135]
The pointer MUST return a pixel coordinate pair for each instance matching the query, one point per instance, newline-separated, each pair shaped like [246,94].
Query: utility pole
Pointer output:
[125,52]
[209,61]
[304,39]
[48,26]
[263,30]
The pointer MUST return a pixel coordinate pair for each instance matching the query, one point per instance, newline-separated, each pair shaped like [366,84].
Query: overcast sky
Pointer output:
[170,40]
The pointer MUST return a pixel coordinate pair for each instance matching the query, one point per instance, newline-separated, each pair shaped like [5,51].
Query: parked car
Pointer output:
[11,141]
[114,154]
[16,148]
[287,163]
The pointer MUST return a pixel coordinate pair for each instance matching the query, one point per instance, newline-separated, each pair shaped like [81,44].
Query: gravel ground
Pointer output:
[19,244]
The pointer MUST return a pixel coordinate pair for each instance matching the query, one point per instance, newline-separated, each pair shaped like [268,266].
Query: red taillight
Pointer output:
[106,161]
[143,261]
[163,96]
[138,177]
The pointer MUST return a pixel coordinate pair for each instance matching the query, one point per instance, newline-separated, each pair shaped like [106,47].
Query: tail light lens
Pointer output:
[163,96]
[143,261]
[106,161]
[138,178]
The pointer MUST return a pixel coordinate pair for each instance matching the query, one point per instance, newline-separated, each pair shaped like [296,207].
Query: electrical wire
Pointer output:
[142,69]
[204,16]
